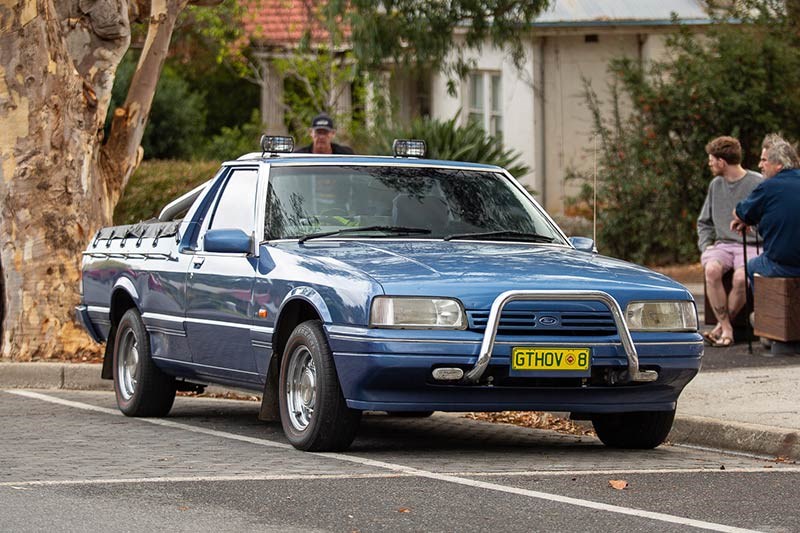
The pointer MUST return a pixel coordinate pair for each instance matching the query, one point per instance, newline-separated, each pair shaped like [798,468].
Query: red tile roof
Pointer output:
[283,22]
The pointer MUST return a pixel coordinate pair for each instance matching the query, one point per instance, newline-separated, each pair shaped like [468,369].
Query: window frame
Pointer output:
[214,205]
[489,115]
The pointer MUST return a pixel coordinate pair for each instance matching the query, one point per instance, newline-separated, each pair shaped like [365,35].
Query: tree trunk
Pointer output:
[58,184]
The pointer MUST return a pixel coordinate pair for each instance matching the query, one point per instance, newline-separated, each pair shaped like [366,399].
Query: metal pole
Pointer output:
[747,295]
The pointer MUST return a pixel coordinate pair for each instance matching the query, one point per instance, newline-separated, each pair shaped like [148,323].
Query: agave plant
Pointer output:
[450,140]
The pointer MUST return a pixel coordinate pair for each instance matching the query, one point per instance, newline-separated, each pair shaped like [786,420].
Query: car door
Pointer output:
[219,288]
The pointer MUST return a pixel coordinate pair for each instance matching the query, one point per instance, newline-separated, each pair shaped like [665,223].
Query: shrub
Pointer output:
[156,183]
[448,140]
[232,142]
[177,117]
[740,79]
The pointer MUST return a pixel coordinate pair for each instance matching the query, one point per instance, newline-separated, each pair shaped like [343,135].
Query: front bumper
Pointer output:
[403,382]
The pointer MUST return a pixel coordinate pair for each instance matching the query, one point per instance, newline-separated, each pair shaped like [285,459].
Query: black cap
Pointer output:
[322,122]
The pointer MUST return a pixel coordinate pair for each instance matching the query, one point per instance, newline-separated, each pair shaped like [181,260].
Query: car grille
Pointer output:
[567,323]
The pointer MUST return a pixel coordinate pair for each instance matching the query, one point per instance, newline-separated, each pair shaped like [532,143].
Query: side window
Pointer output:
[236,206]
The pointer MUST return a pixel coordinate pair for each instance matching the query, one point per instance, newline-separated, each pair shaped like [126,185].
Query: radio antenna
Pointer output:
[594,195]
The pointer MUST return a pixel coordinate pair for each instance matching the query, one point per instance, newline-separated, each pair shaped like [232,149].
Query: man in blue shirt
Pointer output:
[773,206]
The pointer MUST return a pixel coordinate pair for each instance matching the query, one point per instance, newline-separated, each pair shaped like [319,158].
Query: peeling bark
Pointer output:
[58,183]
[52,104]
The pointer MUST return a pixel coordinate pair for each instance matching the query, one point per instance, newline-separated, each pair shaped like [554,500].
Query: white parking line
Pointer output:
[628,472]
[193,479]
[314,477]
[400,469]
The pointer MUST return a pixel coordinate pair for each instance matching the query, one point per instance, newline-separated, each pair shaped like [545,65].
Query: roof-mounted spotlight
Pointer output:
[409,148]
[277,144]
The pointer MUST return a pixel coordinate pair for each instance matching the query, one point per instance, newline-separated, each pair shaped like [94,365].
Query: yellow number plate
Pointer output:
[550,358]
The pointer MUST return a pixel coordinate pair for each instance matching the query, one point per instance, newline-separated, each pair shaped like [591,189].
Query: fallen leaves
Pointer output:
[618,484]
[227,395]
[532,419]
[404,510]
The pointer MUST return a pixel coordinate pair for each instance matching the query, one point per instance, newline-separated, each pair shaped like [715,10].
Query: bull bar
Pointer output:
[487,346]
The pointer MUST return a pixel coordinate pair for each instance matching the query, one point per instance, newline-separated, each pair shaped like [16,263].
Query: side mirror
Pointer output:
[583,244]
[234,241]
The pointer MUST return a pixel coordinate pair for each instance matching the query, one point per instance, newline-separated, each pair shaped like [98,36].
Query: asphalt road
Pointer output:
[70,462]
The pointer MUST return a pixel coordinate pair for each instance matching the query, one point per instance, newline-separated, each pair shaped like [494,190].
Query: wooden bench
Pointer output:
[777,308]
[740,320]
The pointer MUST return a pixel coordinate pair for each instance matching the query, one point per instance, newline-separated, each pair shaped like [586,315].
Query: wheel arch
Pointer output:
[123,297]
[294,311]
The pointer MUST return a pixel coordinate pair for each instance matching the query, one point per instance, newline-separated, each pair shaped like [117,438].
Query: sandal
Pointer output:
[723,342]
[710,338]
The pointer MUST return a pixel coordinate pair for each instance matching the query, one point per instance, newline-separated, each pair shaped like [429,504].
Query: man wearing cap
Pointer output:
[322,133]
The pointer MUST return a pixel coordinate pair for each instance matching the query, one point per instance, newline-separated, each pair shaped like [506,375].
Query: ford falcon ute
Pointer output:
[335,285]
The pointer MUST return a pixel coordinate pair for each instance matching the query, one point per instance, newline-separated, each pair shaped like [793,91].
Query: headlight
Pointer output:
[661,316]
[417,313]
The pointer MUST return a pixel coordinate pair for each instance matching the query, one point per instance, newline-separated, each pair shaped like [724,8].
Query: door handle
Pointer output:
[197,262]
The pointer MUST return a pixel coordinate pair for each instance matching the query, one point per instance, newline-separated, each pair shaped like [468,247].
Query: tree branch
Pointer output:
[120,156]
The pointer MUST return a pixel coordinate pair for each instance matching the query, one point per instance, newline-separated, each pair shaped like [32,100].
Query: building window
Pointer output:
[485,103]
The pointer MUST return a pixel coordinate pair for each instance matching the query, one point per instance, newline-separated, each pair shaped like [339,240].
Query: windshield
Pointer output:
[451,203]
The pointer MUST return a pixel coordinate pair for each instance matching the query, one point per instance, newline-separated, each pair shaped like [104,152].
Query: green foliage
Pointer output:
[197,93]
[318,70]
[448,140]
[201,49]
[420,32]
[156,183]
[177,119]
[228,100]
[211,36]
[232,142]
[313,83]
[177,116]
[741,80]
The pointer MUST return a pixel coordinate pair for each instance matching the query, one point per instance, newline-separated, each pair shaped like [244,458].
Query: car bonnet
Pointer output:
[477,271]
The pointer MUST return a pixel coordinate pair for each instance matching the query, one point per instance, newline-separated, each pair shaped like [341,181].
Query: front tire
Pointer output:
[140,387]
[642,430]
[314,414]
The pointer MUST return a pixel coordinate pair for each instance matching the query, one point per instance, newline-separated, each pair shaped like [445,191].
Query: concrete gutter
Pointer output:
[736,436]
[73,376]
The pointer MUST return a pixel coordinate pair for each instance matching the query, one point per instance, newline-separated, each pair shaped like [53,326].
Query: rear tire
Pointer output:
[314,414]
[639,430]
[141,388]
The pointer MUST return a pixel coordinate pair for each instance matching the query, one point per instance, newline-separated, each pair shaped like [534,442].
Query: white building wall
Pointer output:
[654,47]
[517,102]
[569,141]
[545,115]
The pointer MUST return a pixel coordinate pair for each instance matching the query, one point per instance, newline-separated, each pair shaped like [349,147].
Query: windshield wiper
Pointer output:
[387,229]
[512,234]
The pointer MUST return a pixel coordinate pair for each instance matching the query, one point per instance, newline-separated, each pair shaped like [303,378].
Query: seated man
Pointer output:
[720,246]
[773,207]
